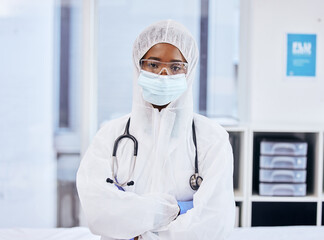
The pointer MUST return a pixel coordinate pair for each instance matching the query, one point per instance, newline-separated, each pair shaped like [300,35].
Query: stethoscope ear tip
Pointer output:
[130,183]
[108,180]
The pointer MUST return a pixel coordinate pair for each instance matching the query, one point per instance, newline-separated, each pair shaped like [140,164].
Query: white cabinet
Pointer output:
[256,210]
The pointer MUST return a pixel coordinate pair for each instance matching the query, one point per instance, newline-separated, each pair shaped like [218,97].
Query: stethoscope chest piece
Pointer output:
[195,181]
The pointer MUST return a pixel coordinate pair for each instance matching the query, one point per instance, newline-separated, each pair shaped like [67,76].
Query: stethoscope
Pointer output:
[194,181]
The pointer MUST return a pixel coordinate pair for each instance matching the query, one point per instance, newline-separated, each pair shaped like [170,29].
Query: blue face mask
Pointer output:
[161,89]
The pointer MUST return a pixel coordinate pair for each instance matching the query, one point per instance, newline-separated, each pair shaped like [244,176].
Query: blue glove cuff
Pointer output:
[185,206]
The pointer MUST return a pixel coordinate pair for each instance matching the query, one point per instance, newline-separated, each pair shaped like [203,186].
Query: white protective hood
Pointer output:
[179,113]
[164,163]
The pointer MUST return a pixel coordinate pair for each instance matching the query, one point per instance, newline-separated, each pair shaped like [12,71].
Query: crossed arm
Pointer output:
[115,214]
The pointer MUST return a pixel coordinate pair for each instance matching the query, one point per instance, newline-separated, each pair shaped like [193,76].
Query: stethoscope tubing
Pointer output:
[195,143]
[194,180]
[125,135]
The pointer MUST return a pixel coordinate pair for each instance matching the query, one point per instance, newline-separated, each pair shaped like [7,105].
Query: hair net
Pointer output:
[167,31]
[172,32]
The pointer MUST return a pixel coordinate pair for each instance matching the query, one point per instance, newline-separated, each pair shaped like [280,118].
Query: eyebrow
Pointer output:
[159,59]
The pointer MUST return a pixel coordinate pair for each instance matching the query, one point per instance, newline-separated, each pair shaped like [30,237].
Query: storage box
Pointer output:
[283,162]
[287,176]
[283,148]
[271,189]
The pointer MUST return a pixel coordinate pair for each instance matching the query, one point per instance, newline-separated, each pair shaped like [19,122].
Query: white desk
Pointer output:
[81,233]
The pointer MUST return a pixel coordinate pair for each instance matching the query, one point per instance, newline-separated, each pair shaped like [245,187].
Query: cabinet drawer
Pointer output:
[280,189]
[283,148]
[287,176]
[283,162]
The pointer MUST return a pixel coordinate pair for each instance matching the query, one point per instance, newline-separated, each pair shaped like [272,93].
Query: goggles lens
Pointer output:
[172,68]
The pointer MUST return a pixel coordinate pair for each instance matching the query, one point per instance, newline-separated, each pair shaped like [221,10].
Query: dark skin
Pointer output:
[164,52]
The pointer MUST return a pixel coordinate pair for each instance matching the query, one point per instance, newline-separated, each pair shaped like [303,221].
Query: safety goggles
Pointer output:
[157,67]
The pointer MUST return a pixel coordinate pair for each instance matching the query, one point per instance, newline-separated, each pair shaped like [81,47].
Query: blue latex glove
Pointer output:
[185,206]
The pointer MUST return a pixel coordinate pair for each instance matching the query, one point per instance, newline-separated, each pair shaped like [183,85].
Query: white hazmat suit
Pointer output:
[165,162]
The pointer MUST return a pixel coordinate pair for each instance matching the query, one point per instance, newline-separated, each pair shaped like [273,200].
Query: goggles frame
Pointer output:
[157,67]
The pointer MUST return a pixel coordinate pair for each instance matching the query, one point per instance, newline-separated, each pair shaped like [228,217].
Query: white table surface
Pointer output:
[82,233]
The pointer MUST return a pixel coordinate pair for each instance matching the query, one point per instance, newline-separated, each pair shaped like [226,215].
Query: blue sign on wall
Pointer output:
[301,55]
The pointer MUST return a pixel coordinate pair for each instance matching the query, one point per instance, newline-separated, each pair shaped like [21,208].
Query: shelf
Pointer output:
[284,213]
[285,210]
[236,140]
[239,197]
[312,156]
[235,128]
[297,128]
[309,198]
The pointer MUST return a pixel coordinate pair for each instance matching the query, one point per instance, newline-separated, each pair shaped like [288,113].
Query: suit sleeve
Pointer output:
[113,213]
[213,214]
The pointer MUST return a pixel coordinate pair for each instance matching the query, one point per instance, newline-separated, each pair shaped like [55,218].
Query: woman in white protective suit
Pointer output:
[161,193]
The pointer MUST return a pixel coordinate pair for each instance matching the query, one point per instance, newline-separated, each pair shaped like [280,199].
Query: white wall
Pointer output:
[271,96]
[27,165]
